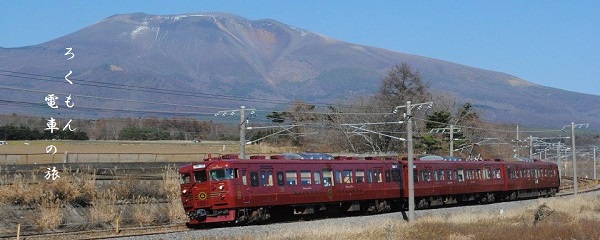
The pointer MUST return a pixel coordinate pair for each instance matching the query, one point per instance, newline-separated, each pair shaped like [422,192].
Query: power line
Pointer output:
[490,129]
[112,99]
[84,82]
[40,105]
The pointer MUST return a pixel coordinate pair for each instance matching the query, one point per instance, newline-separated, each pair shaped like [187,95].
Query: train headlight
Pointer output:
[184,191]
[221,187]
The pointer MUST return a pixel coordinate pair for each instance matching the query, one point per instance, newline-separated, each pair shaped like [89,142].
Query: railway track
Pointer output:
[583,185]
[106,233]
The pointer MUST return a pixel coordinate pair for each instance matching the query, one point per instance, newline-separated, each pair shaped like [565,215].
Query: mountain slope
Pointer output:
[215,55]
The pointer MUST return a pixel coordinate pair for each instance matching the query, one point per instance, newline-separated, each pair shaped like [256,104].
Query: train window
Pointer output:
[522,173]
[460,175]
[317,176]
[222,174]
[338,176]
[377,175]
[327,177]
[360,176]
[266,178]
[396,175]
[200,176]
[449,175]
[244,178]
[254,179]
[184,178]
[291,177]
[415,175]
[369,176]
[426,175]
[435,175]
[388,176]
[270,178]
[441,177]
[280,180]
[263,178]
[347,175]
[305,177]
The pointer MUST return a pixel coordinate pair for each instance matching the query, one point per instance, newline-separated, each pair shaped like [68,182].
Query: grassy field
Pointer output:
[555,218]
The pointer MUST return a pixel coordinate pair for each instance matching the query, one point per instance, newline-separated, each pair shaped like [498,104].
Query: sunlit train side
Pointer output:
[450,182]
[230,190]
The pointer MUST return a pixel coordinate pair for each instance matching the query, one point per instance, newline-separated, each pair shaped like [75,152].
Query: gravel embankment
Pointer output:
[284,229]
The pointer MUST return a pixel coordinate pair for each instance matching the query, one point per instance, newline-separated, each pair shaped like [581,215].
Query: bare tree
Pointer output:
[402,84]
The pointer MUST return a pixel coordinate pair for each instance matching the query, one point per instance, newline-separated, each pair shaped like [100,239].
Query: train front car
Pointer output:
[208,192]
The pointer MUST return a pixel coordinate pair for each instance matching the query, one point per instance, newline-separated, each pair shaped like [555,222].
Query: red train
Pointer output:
[228,189]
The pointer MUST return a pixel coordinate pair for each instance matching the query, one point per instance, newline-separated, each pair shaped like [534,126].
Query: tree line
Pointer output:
[11,132]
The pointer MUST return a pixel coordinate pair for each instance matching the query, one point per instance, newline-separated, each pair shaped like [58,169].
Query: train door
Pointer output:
[267,186]
[328,182]
[425,185]
[244,189]
[344,182]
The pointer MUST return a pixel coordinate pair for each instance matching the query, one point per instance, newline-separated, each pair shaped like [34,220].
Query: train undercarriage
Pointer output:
[479,198]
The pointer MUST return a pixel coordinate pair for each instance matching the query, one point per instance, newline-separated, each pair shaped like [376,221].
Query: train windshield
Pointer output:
[184,178]
[200,176]
[222,174]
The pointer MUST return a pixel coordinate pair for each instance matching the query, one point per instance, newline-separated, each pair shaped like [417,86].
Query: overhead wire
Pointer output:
[47,78]
[84,82]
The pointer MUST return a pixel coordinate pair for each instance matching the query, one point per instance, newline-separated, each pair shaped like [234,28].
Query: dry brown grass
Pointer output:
[104,210]
[42,205]
[174,209]
[567,218]
[145,211]
[50,214]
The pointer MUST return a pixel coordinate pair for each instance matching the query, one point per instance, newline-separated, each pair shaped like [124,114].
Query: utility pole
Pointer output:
[409,141]
[518,150]
[595,162]
[573,125]
[574,158]
[411,182]
[558,158]
[243,126]
[451,130]
[243,132]
[530,147]
[451,140]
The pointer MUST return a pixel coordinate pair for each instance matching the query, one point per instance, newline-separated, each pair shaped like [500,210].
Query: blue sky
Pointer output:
[551,43]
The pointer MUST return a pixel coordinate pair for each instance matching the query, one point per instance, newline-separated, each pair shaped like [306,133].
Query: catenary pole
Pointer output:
[411,182]
[574,158]
[243,132]
[451,140]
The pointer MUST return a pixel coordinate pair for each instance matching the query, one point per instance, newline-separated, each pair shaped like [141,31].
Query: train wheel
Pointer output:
[423,203]
[513,196]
